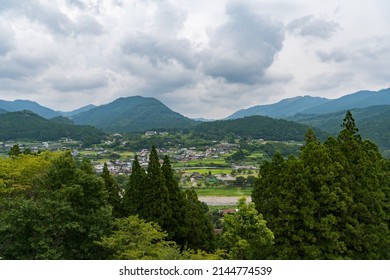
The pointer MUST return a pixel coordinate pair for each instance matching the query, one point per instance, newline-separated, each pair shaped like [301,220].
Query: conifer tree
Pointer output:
[331,202]
[175,227]
[133,196]
[156,197]
[112,190]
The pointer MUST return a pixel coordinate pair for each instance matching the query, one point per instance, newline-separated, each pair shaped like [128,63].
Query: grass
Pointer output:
[224,191]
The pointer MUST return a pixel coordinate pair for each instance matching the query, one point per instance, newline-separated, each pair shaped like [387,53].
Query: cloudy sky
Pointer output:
[201,58]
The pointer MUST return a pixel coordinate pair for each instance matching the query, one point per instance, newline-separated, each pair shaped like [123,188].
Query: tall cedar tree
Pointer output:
[113,191]
[176,225]
[134,194]
[332,202]
[156,197]
[153,204]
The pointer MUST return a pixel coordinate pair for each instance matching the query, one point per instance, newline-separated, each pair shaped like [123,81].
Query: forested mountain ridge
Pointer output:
[133,113]
[373,123]
[316,105]
[20,105]
[284,108]
[256,127]
[28,125]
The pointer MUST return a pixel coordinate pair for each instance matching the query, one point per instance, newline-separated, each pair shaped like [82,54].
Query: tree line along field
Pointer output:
[330,201]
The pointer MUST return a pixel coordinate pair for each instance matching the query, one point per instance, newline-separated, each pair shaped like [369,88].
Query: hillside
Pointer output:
[131,114]
[28,125]
[284,108]
[316,105]
[2,111]
[77,111]
[373,123]
[257,127]
[360,99]
[20,105]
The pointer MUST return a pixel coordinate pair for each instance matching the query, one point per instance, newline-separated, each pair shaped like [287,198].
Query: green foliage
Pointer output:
[133,114]
[255,127]
[51,209]
[14,151]
[135,239]
[245,234]
[133,198]
[27,125]
[331,202]
[156,197]
[113,191]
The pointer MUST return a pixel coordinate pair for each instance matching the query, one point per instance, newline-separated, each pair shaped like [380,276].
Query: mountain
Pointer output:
[286,107]
[257,127]
[360,99]
[28,125]
[77,111]
[135,113]
[317,105]
[20,105]
[2,111]
[372,122]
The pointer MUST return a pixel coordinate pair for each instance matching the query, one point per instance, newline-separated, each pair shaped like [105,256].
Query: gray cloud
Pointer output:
[332,56]
[78,81]
[7,40]
[309,26]
[327,81]
[242,49]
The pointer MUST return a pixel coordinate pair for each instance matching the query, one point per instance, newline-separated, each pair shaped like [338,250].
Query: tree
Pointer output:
[14,151]
[59,214]
[176,225]
[136,239]
[156,197]
[198,225]
[330,202]
[245,235]
[133,196]
[113,191]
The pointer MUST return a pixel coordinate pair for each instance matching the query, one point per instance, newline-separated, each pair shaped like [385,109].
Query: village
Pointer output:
[194,167]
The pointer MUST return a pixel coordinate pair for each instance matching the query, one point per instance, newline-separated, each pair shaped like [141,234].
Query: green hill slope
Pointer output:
[131,114]
[373,123]
[258,127]
[28,125]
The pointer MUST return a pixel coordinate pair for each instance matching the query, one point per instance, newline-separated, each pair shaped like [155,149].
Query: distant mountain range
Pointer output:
[316,105]
[47,113]
[286,107]
[139,114]
[20,105]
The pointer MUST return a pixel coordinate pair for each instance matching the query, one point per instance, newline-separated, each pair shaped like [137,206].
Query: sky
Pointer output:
[201,58]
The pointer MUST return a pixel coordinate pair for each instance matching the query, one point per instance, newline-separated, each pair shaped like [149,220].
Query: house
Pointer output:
[150,133]
[227,212]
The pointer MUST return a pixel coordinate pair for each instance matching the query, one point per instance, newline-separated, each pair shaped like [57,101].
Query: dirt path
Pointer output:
[221,200]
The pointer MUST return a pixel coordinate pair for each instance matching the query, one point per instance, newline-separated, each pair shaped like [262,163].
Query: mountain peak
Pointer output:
[133,113]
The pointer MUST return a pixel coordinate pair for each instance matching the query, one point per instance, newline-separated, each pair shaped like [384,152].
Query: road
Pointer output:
[221,200]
